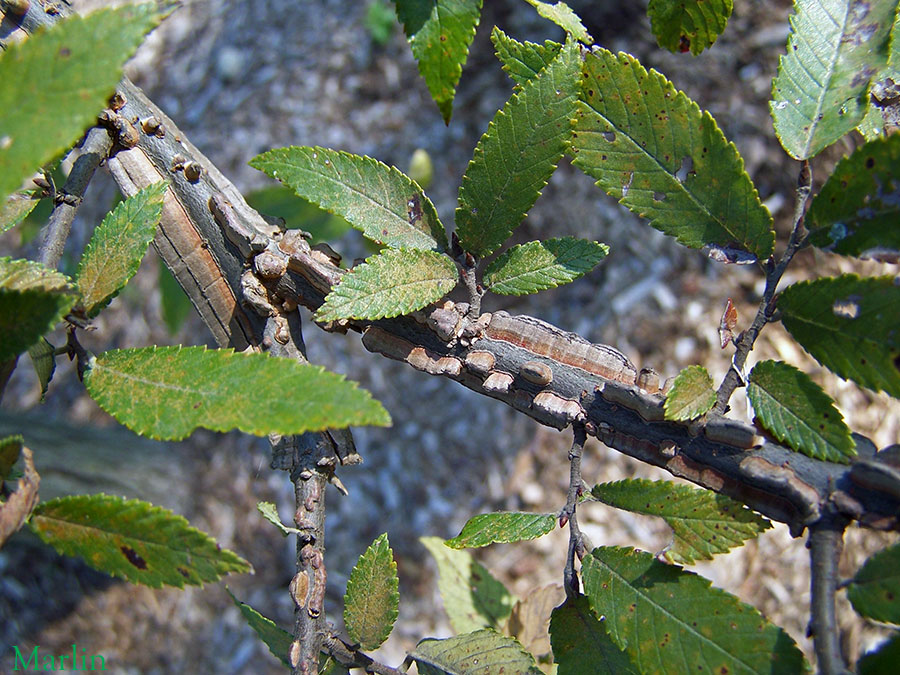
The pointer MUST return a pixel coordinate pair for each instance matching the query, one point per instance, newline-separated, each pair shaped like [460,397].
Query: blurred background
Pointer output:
[240,77]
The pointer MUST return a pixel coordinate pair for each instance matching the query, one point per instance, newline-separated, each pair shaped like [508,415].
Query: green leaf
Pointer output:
[704,523]
[539,265]
[378,200]
[876,587]
[850,326]
[690,395]
[563,16]
[43,358]
[33,299]
[280,201]
[794,409]
[581,645]
[670,620]
[472,598]
[682,25]
[167,392]
[477,653]
[174,302]
[522,61]
[439,34]
[10,447]
[373,597]
[65,74]
[856,212]
[276,639]
[653,149]
[117,247]
[502,528]
[15,209]
[269,511]
[821,90]
[883,660]
[517,155]
[394,282]
[134,540]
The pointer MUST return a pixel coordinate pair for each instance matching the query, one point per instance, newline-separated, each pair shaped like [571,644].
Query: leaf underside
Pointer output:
[517,155]
[439,34]
[117,247]
[669,620]
[795,410]
[373,598]
[850,326]
[857,210]
[690,395]
[654,150]
[704,523]
[392,283]
[493,528]
[15,209]
[820,92]
[376,199]
[65,74]
[167,392]
[133,540]
[473,598]
[688,25]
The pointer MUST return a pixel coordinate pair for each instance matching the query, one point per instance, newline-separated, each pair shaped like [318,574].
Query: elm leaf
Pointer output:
[373,597]
[821,90]
[134,540]
[517,155]
[581,645]
[652,148]
[276,639]
[376,199]
[875,588]
[440,33]
[669,620]
[850,326]
[703,523]
[33,298]
[522,61]
[63,74]
[482,651]
[563,16]
[794,409]
[688,25]
[491,528]
[391,283]
[690,395]
[539,265]
[472,597]
[167,392]
[117,247]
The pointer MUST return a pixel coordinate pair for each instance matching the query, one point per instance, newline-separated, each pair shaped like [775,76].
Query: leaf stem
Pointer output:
[774,271]
[825,544]
[351,657]
[568,513]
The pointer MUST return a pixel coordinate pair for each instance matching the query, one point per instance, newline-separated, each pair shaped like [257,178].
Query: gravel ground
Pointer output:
[240,77]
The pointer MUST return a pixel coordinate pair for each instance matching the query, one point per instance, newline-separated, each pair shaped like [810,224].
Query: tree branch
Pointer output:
[825,544]
[569,512]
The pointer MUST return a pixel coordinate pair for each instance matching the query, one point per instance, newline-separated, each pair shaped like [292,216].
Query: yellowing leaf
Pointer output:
[117,246]
[137,541]
[167,392]
[472,597]
[704,523]
[373,598]
[479,652]
[691,394]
